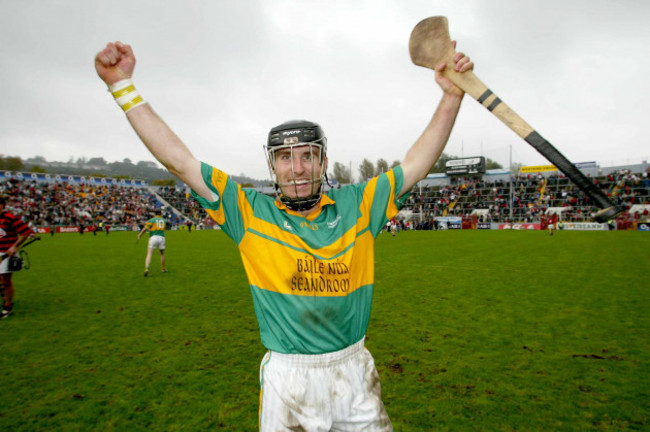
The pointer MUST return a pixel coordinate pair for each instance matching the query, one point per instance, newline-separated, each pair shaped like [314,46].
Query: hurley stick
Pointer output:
[430,46]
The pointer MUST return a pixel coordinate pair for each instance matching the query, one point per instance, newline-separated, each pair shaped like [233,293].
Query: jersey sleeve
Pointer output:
[227,197]
[380,199]
[23,229]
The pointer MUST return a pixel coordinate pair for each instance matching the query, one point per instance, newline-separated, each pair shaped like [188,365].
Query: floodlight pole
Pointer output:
[421,209]
[511,190]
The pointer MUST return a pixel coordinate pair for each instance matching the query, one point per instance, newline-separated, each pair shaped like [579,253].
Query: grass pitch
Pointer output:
[470,330]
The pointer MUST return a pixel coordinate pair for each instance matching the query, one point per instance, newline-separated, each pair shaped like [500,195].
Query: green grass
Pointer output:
[471,330]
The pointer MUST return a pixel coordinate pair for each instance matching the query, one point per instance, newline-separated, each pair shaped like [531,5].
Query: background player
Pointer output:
[13,233]
[156,227]
[552,223]
[308,255]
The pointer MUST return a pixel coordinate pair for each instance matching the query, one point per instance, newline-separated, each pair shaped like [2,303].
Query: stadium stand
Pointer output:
[180,199]
[532,196]
[53,202]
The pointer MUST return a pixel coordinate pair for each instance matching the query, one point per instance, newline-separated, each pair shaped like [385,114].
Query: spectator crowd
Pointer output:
[51,204]
[55,204]
[528,198]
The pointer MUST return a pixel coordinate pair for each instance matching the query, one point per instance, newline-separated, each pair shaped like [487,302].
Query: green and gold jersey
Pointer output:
[156,226]
[311,278]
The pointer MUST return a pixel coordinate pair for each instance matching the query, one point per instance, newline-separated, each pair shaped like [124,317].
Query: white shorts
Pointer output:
[337,391]
[551,226]
[156,242]
[4,265]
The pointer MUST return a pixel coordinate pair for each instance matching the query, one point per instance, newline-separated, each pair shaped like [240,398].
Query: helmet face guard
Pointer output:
[285,139]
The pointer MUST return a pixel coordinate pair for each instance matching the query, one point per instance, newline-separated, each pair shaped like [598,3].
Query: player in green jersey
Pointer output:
[156,227]
[308,253]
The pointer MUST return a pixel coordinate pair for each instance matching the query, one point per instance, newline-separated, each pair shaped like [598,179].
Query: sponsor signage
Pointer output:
[483,225]
[643,226]
[538,168]
[590,164]
[583,226]
[520,226]
[449,222]
[449,219]
[449,225]
[75,229]
[472,165]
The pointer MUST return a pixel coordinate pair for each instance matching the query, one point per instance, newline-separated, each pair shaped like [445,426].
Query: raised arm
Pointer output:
[115,65]
[428,148]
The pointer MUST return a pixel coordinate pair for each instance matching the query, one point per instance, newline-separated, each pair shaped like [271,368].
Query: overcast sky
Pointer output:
[222,73]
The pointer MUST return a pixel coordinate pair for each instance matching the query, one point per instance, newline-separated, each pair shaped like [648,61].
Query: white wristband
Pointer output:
[125,94]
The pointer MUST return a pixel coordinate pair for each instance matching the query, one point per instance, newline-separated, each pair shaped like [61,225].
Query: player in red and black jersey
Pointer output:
[552,223]
[13,232]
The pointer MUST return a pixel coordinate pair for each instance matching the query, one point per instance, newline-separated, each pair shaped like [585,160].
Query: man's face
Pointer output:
[298,170]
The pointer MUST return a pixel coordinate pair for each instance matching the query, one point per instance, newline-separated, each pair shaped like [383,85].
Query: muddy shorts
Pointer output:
[338,391]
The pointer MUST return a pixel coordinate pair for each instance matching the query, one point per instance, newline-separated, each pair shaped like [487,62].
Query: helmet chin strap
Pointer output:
[300,204]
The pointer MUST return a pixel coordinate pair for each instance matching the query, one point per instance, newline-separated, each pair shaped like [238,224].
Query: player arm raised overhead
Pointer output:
[116,63]
[429,146]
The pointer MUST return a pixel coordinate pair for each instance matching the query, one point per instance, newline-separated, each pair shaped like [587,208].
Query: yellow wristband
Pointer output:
[125,94]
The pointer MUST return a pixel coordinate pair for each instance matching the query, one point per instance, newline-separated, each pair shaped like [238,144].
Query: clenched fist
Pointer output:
[115,62]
